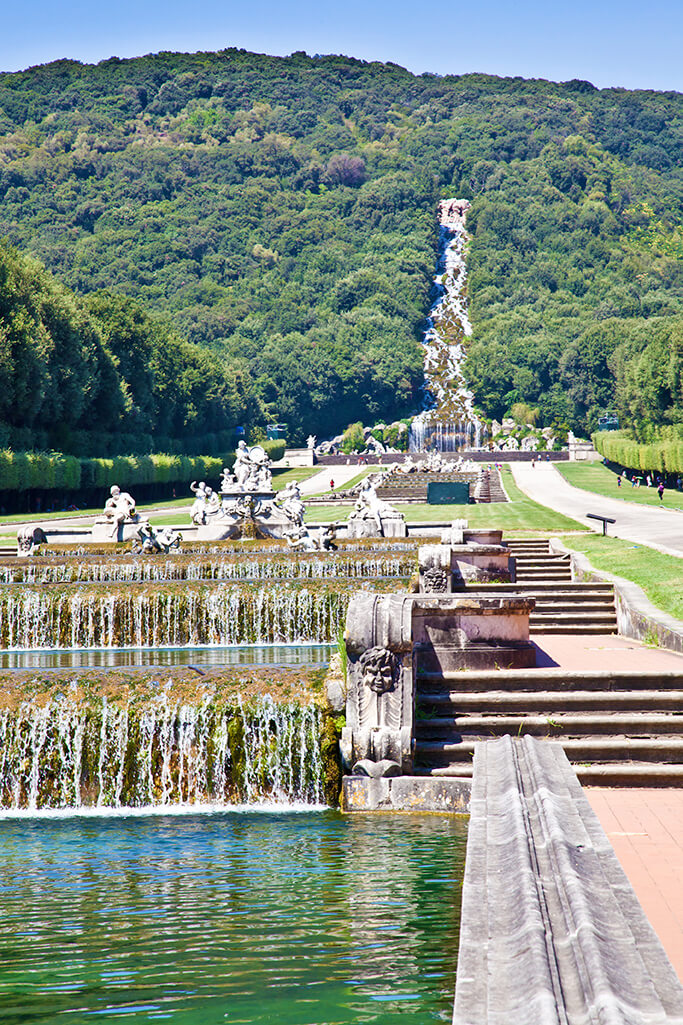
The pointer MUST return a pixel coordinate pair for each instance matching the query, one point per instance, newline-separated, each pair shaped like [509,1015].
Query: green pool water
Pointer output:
[238,917]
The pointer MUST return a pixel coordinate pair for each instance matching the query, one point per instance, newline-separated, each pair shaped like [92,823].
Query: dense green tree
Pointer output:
[278,214]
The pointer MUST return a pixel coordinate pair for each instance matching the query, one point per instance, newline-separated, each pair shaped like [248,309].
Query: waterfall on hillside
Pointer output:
[447,422]
[163,751]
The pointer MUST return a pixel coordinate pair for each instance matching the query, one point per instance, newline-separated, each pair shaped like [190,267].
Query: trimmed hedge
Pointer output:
[274,448]
[665,456]
[33,471]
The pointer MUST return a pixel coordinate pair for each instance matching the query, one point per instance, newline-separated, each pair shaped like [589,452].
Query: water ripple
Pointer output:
[299,919]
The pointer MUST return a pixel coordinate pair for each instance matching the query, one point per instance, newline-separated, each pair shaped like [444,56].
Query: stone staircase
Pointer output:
[535,561]
[489,487]
[617,729]
[563,606]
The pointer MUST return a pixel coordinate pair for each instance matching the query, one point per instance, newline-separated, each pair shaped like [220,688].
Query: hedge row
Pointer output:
[33,471]
[664,456]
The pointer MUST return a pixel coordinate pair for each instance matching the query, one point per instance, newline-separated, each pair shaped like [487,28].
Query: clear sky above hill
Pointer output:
[608,42]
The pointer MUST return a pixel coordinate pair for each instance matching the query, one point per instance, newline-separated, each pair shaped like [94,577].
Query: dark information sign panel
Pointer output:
[452,493]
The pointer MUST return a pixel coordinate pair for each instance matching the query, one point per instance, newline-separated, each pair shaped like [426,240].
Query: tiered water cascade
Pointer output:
[448,422]
[251,566]
[70,749]
[183,797]
[70,745]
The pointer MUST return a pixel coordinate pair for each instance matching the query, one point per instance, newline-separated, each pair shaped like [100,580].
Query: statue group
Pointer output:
[247,506]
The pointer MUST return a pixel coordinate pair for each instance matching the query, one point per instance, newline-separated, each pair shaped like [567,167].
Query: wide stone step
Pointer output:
[555,627]
[606,774]
[568,587]
[577,749]
[554,724]
[547,679]
[549,702]
[630,774]
[567,616]
[551,573]
[595,611]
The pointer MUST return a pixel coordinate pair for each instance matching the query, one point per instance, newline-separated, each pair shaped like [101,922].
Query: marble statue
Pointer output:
[206,503]
[29,537]
[301,540]
[247,506]
[120,520]
[373,517]
[251,471]
[242,465]
[310,441]
[156,539]
[290,502]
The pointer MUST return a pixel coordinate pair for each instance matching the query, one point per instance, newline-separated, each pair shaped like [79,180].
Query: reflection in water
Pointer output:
[292,919]
[219,655]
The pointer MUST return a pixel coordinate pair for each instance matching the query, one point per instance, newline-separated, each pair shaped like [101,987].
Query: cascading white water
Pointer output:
[448,422]
[66,753]
[302,567]
[150,616]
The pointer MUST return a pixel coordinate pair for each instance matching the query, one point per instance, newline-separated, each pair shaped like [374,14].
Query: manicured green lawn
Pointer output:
[659,575]
[517,515]
[281,478]
[598,478]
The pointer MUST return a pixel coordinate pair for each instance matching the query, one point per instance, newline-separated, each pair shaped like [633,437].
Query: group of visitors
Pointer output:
[636,481]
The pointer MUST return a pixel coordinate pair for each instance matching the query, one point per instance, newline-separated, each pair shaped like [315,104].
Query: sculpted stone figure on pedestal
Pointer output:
[374,517]
[120,520]
[290,502]
[247,506]
[206,503]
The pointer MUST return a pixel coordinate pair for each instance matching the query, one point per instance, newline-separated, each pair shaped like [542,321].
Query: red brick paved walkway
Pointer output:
[645,828]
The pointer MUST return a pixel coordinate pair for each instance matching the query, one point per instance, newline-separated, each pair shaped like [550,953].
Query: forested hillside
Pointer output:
[279,214]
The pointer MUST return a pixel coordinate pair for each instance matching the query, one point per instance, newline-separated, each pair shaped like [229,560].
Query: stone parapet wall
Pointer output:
[551,930]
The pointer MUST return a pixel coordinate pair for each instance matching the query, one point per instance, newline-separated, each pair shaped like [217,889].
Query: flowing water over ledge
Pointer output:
[292,919]
[301,566]
[175,615]
[67,749]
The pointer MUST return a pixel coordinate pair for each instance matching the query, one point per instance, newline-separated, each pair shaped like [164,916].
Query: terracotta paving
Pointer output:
[602,651]
[645,828]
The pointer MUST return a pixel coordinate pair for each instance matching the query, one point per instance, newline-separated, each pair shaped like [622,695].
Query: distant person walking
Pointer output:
[660,490]
[331,484]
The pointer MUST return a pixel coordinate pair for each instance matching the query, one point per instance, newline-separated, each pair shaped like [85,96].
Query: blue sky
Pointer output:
[610,43]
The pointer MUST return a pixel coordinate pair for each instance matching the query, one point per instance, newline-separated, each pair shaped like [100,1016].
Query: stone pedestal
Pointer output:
[392,526]
[458,632]
[102,531]
[390,638]
[448,568]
